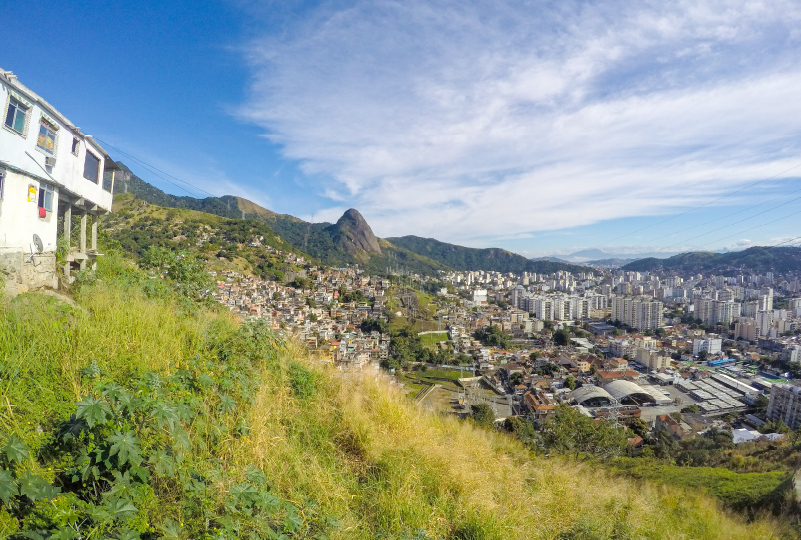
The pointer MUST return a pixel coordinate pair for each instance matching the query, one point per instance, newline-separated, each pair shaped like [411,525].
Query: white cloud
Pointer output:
[471,121]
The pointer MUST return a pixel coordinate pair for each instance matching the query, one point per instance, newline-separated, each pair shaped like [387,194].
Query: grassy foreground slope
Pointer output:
[141,415]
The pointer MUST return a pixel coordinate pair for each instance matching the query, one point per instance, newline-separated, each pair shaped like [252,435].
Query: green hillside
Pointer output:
[137,414]
[330,242]
[128,182]
[491,259]
[756,259]
[221,243]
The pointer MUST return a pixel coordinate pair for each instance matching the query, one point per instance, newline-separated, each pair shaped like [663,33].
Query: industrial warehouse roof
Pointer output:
[589,393]
[621,390]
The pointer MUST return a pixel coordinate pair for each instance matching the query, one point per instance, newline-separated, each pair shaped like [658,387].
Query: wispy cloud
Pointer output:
[471,120]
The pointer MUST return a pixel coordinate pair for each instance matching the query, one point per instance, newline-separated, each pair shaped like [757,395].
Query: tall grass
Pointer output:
[340,445]
[383,466]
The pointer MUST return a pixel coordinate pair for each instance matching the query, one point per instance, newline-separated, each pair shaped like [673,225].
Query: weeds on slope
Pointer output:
[142,415]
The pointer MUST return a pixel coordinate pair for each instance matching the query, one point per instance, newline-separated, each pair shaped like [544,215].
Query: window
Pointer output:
[91,167]
[46,197]
[15,115]
[2,182]
[47,138]
[76,145]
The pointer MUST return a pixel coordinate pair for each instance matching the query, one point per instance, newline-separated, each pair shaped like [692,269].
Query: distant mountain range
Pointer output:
[464,258]
[350,240]
[751,260]
[595,255]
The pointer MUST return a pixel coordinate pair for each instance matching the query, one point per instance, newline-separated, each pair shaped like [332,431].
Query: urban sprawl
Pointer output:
[612,344]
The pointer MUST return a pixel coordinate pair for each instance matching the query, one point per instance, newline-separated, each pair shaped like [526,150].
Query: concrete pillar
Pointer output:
[94,232]
[68,237]
[82,239]
[95,219]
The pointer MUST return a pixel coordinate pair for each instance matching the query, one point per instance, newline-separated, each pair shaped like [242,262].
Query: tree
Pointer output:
[567,430]
[463,360]
[493,336]
[762,403]
[561,337]
[570,382]
[515,379]
[520,428]
[663,444]
[482,414]
[300,283]
[548,369]
[692,408]
[639,427]
[702,355]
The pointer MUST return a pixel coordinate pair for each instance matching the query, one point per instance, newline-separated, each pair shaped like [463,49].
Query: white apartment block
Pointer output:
[712,345]
[639,312]
[49,170]
[556,307]
[764,321]
[716,311]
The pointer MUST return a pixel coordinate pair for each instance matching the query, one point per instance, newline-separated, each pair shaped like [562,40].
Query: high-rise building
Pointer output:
[746,328]
[764,321]
[785,404]
[641,313]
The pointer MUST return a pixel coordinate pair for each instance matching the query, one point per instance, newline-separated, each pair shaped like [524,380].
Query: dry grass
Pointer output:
[382,465]
[358,449]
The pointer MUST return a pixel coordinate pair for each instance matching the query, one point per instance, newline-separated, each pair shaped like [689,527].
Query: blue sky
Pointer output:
[540,127]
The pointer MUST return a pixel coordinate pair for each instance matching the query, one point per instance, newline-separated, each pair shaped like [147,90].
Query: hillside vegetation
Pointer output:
[221,243]
[333,243]
[756,259]
[139,414]
[490,259]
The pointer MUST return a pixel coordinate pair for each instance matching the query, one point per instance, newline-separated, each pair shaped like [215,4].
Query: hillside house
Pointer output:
[50,171]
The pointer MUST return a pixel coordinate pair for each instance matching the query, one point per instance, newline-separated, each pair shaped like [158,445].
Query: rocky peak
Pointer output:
[353,233]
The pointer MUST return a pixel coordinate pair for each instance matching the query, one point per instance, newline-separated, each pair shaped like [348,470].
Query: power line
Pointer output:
[728,215]
[736,222]
[752,228]
[701,206]
[152,168]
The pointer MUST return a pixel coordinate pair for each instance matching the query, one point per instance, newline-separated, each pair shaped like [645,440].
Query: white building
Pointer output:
[764,321]
[49,170]
[641,313]
[711,344]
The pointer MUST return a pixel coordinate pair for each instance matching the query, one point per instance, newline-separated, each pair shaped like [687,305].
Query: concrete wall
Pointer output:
[20,273]
[19,217]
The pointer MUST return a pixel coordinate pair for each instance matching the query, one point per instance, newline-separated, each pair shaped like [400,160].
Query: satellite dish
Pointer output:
[38,243]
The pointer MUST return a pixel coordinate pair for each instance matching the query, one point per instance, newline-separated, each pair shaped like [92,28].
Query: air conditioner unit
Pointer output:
[50,161]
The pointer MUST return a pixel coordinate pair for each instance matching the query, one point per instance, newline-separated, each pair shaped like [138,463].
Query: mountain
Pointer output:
[610,263]
[127,182]
[348,241]
[353,234]
[490,259]
[752,260]
[595,255]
